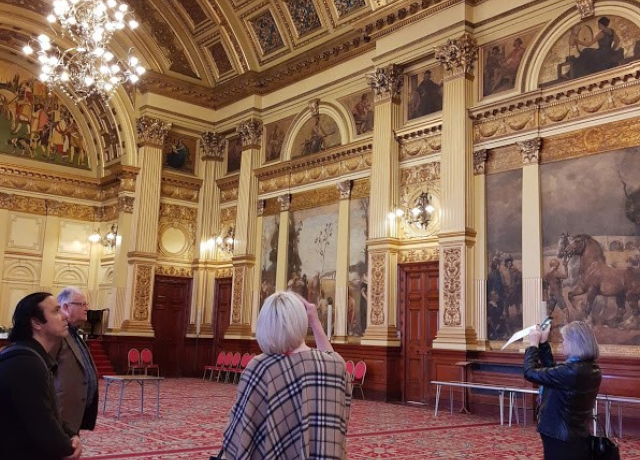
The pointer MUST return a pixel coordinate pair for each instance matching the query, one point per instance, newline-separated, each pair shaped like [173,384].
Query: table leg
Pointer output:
[451,400]
[120,399]
[511,406]
[438,388]
[619,420]
[524,409]
[157,399]
[106,392]
[142,397]
[501,396]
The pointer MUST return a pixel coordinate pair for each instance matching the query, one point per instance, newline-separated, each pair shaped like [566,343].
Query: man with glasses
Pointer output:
[76,381]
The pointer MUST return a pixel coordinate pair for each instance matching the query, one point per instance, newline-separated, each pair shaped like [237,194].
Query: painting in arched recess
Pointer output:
[35,124]
[590,239]
[318,133]
[592,45]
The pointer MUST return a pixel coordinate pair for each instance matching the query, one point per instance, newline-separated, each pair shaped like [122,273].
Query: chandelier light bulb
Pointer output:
[133,24]
[43,77]
[112,3]
[140,70]
[430,208]
[64,76]
[51,18]
[133,78]
[43,58]
[123,8]
[42,38]
[108,56]
[27,50]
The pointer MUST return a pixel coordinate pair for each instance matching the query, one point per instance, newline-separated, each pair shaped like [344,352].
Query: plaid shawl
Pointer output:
[290,407]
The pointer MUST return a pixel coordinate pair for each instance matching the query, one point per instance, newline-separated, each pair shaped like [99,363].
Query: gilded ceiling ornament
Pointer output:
[386,81]
[284,201]
[458,55]
[212,146]
[152,131]
[479,161]
[344,188]
[585,7]
[250,133]
[530,150]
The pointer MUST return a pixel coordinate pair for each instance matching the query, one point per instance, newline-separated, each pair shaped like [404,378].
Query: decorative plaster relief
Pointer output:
[212,146]
[26,233]
[21,270]
[152,131]
[125,204]
[479,161]
[530,150]
[344,188]
[73,238]
[66,274]
[377,288]
[386,82]
[238,293]
[226,272]
[142,292]
[458,56]
[420,147]
[585,7]
[172,270]
[452,286]
[419,255]
[173,239]
[284,201]
[250,133]
[427,172]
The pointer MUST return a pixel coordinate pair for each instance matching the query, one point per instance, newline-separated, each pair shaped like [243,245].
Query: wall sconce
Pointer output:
[109,240]
[397,213]
[420,214]
[225,241]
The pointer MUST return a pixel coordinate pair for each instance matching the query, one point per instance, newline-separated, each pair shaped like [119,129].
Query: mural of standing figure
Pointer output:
[552,285]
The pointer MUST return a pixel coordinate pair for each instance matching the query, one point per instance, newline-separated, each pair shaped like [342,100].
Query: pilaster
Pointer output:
[144,229]
[257,275]
[339,333]
[245,236]
[382,245]
[457,233]
[480,269]
[532,311]
[283,242]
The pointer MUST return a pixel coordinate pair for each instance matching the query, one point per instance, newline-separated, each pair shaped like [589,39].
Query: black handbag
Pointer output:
[602,447]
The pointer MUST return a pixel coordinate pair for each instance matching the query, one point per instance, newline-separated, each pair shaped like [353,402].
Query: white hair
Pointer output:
[66,294]
[282,323]
[580,341]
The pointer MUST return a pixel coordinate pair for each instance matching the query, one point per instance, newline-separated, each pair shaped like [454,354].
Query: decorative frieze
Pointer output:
[250,133]
[172,270]
[212,146]
[426,172]
[452,285]
[458,56]
[386,82]
[419,255]
[479,161]
[344,188]
[530,150]
[173,212]
[423,146]
[151,131]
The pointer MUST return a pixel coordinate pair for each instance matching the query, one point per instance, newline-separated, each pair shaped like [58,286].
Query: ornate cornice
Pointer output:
[228,188]
[28,179]
[458,56]
[420,143]
[151,131]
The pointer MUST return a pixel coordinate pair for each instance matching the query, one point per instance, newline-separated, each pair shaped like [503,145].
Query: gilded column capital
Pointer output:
[151,131]
[261,205]
[458,55]
[386,82]
[344,188]
[6,200]
[212,146]
[530,150]
[284,201]
[125,204]
[250,133]
[585,7]
[479,161]
[314,107]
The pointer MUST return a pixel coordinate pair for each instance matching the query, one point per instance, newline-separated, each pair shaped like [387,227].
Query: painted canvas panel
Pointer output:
[234,154]
[501,61]
[35,124]
[591,241]
[270,225]
[266,32]
[275,134]
[345,7]
[303,15]
[179,152]
[316,134]
[360,106]
[424,92]
[504,246]
[220,58]
[313,237]
[593,45]
[358,267]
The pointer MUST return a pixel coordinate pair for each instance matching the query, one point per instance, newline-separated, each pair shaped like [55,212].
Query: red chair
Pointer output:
[358,376]
[350,366]
[218,367]
[146,358]
[233,369]
[228,358]
[243,363]
[133,357]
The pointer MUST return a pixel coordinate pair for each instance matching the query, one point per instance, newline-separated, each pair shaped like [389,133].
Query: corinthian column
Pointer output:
[212,147]
[457,231]
[144,229]
[480,276]
[532,311]
[245,237]
[382,246]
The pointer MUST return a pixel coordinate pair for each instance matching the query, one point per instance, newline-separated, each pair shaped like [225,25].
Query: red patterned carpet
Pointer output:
[193,415]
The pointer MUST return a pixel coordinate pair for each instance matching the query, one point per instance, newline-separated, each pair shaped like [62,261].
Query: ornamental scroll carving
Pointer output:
[386,82]
[344,188]
[212,146]
[142,292]
[152,131]
[452,293]
[377,289]
[585,7]
[530,150]
[479,162]
[250,133]
[238,293]
[458,56]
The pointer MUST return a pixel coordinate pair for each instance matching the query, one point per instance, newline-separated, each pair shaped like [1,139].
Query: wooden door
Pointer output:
[418,289]
[221,313]
[171,300]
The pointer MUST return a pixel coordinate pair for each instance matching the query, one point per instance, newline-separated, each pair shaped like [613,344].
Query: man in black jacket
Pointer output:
[30,425]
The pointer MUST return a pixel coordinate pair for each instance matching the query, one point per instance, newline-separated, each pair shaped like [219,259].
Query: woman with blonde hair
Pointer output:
[293,401]
[567,390]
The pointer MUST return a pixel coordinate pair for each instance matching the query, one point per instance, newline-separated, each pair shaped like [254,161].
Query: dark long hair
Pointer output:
[27,309]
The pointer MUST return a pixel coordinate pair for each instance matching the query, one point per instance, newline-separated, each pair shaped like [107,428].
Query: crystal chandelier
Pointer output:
[88,68]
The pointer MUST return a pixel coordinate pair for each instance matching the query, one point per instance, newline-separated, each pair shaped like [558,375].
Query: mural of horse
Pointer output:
[596,277]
